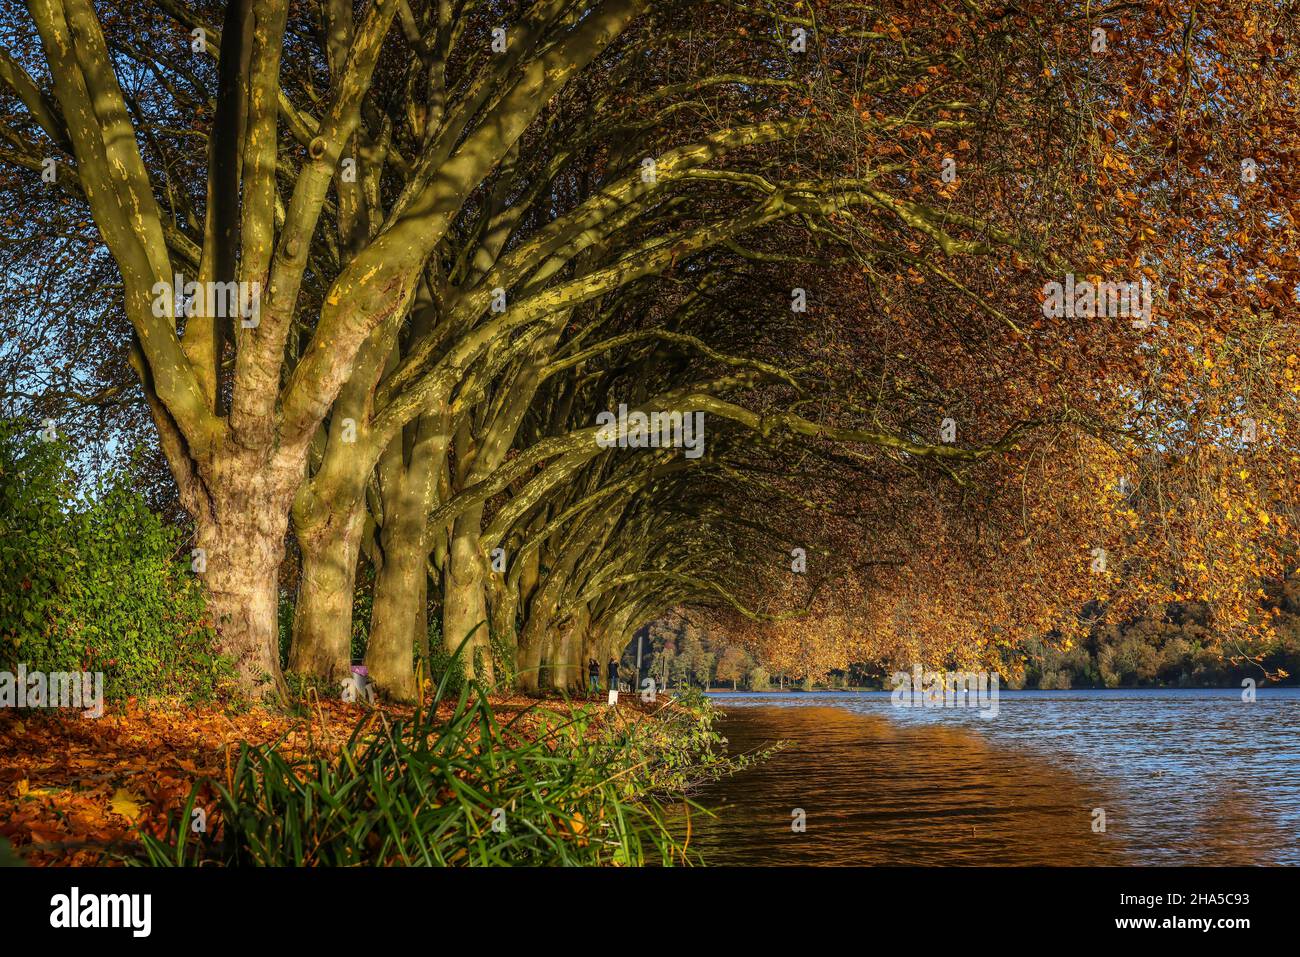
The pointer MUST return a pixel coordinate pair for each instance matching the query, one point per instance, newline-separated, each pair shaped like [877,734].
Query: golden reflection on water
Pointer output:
[879,792]
[1231,828]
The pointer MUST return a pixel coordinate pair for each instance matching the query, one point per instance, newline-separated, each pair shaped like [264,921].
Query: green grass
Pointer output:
[423,792]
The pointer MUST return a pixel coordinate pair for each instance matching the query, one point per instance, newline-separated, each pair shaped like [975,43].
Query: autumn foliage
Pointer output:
[839,231]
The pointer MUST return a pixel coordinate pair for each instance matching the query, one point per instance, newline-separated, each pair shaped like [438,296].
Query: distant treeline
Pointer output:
[1179,651]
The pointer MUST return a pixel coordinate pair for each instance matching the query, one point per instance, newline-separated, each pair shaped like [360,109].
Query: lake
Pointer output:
[1182,776]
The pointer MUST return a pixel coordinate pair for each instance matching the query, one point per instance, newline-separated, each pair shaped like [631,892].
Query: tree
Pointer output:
[733,665]
[461,244]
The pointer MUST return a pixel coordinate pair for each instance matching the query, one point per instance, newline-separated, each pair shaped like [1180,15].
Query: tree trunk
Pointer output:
[242,542]
[545,603]
[575,640]
[535,638]
[560,665]
[322,617]
[464,598]
[398,617]
[528,665]
[503,609]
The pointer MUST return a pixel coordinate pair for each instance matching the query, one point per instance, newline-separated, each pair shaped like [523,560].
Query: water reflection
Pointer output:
[1184,777]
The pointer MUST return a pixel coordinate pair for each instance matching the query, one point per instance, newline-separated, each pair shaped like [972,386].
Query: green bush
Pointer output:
[363,604]
[284,624]
[678,751]
[443,664]
[95,582]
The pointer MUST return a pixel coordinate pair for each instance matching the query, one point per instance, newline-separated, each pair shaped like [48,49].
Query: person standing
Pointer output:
[613,674]
[593,675]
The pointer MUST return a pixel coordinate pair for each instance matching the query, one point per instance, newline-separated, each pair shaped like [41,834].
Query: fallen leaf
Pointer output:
[125,803]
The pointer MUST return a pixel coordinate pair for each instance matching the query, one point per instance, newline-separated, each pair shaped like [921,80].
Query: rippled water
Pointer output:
[1184,776]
